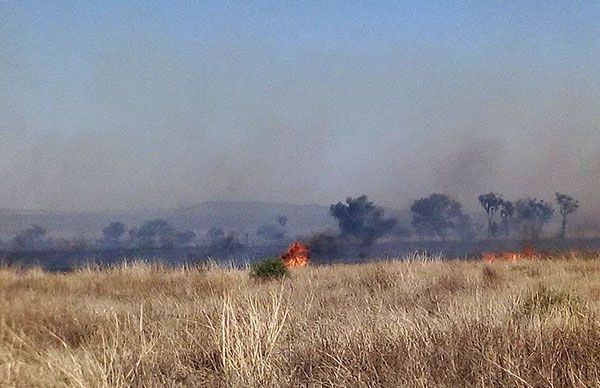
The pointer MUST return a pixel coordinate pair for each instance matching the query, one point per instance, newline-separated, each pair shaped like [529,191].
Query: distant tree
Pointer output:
[533,214]
[215,233]
[31,239]
[436,214]
[491,203]
[461,223]
[225,246]
[113,234]
[566,205]
[79,244]
[362,220]
[494,229]
[507,210]
[400,231]
[156,233]
[184,238]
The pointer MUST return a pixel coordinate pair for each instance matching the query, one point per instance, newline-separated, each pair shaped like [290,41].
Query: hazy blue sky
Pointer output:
[116,105]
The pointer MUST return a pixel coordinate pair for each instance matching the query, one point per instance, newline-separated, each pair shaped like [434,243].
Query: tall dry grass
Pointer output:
[429,324]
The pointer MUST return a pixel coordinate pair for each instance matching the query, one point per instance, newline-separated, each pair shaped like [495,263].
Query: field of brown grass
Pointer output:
[392,324]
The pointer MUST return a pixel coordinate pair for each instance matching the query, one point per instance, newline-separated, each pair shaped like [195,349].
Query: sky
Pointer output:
[129,105]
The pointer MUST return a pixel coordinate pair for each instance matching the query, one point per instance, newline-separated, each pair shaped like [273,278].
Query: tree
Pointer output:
[533,214]
[156,233]
[362,220]
[436,214]
[31,239]
[461,223]
[225,246]
[566,205]
[184,238]
[491,203]
[113,234]
[507,210]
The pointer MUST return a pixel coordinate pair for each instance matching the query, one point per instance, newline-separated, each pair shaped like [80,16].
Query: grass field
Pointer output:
[429,324]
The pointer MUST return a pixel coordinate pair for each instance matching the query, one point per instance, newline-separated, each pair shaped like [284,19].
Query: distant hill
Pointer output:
[64,224]
[246,217]
[239,217]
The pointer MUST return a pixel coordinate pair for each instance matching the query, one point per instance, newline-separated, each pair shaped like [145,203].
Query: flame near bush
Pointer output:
[297,255]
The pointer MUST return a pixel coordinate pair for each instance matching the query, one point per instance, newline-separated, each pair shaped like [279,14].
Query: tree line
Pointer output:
[361,221]
[439,216]
[528,214]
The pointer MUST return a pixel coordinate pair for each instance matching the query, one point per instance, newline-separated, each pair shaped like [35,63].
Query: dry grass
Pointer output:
[529,324]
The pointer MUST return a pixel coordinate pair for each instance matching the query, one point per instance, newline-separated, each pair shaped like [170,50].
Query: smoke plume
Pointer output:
[155,111]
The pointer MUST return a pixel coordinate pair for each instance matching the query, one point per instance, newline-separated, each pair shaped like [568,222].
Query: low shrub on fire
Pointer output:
[269,268]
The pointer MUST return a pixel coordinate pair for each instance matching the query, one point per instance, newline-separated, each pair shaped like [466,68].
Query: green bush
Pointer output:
[269,268]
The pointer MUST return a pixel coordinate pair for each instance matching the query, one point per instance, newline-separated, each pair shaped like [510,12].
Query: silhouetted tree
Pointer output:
[225,246]
[533,214]
[507,210]
[156,233]
[438,213]
[113,234]
[494,228]
[461,223]
[184,238]
[491,203]
[566,205]
[31,239]
[71,244]
[400,231]
[362,220]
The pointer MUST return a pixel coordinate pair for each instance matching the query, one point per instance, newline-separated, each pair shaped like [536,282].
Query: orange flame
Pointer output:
[509,257]
[297,255]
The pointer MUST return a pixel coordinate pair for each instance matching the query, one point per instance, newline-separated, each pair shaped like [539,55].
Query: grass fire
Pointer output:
[299,194]
[296,255]
[528,253]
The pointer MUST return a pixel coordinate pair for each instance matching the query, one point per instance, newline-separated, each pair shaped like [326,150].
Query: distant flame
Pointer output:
[297,255]
[509,257]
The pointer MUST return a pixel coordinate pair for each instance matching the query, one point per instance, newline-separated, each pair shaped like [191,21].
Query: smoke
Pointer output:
[468,168]
[130,114]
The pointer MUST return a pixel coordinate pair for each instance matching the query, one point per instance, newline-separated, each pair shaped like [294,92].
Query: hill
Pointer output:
[240,217]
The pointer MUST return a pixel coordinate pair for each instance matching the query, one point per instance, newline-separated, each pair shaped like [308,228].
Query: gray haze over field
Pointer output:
[114,106]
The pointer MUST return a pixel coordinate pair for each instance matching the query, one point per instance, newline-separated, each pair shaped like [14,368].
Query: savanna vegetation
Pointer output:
[396,323]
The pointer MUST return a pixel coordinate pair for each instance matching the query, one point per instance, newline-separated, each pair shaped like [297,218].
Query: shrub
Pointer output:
[269,268]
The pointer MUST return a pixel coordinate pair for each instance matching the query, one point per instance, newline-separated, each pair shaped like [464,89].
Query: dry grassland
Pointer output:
[392,324]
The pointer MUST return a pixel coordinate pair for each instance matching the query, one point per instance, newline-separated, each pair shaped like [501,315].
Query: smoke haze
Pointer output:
[113,106]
